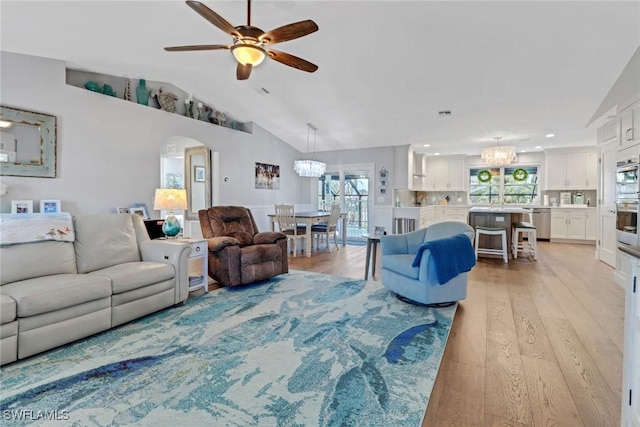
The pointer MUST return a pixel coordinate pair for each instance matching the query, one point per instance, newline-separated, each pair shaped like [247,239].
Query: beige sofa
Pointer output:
[56,292]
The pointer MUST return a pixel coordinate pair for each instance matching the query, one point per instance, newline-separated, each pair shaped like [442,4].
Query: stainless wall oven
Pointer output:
[627,222]
[627,203]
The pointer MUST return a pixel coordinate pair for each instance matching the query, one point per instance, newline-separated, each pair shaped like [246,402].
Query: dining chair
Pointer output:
[286,219]
[327,229]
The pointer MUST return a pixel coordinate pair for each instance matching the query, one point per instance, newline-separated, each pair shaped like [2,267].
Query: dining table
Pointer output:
[309,219]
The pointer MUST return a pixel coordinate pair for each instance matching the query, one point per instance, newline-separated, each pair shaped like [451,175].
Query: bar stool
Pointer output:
[492,231]
[528,230]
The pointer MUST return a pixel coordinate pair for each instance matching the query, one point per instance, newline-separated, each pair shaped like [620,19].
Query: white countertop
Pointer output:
[500,209]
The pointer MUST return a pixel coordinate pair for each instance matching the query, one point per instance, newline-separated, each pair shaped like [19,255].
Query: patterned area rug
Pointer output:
[301,349]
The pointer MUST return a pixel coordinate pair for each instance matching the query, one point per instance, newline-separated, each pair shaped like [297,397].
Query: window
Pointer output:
[522,188]
[510,185]
[484,186]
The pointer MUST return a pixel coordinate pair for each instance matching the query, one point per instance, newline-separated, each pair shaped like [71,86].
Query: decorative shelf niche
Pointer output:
[115,86]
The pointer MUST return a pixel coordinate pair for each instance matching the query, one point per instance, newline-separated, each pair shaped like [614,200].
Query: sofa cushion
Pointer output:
[29,260]
[133,275]
[7,309]
[103,241]
[401,264]
[51,293]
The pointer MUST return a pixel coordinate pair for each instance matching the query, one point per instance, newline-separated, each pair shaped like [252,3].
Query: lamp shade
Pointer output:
[246,53]
[499,155]
[170,199]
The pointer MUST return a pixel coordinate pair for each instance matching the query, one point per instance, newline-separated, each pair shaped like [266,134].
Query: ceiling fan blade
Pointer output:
[197,47]
[214,18]
[243,71]
[289,32]
[292,61]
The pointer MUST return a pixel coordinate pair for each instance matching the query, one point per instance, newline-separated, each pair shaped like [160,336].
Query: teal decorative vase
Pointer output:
[142,93]
[171,226]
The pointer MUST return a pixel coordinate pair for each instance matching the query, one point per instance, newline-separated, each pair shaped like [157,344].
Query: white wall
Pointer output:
[380,157]
[109,149]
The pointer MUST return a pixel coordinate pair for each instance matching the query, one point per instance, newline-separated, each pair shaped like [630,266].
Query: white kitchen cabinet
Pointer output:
[631,359]
[629,127]
[457,213]
[402,167]
[427,216]
[568,224]
[451,213]
[444,173]
[417,178]
[591,170]
[572,170]
[591,224]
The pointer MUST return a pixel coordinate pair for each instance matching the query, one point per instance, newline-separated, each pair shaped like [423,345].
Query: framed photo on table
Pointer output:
[50,206]
[21,206]
[139,210]
[122,210]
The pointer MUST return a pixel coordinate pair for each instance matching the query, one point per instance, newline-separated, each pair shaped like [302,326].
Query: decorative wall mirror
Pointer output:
[197,172]
[27,143]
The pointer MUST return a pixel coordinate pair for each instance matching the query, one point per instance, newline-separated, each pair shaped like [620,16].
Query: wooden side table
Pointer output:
[198,278]
[372,242]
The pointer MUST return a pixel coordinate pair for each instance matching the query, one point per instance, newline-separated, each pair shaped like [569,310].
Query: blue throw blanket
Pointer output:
[451,256]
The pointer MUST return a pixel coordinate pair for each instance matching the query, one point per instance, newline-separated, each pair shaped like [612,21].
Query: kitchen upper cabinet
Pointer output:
[419,165]
[629,127]
[444,174]
[572,170]
[402,166]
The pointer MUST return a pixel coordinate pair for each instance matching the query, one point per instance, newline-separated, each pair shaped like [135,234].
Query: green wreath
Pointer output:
[520,175]
[484,176]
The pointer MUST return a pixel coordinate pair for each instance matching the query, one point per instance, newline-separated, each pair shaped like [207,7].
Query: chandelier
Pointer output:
[499,155]
[310,168]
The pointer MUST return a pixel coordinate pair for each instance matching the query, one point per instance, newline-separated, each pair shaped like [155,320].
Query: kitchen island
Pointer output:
[495,217]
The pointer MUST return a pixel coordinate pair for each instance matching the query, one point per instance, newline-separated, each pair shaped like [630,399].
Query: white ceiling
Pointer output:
[517,70]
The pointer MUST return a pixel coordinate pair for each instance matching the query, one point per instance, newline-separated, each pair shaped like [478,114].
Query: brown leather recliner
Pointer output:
[238,253]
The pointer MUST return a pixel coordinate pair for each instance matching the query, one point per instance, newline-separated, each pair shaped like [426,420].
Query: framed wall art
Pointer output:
[267,176]
[29,143]
[199,173]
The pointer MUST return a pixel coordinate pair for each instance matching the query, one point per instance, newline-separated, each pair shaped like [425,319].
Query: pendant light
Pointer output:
[310,168]
[499,155]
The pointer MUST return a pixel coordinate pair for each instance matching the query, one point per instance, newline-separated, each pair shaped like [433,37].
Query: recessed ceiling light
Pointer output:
[427,145]
[436,154]
[537,147]
[523,151]
[5,124]
[550,135]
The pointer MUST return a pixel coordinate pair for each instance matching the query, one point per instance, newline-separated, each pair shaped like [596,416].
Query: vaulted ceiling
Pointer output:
[516,70]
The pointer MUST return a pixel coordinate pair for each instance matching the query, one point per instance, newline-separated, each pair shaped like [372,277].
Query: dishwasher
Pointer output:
[542,221]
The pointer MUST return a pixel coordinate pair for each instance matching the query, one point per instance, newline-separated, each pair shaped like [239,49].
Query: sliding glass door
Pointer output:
[350,189]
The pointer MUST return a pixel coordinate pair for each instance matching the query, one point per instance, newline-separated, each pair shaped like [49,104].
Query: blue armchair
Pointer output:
[420,283]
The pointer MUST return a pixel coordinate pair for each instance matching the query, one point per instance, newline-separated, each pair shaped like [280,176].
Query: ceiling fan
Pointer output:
[249,42]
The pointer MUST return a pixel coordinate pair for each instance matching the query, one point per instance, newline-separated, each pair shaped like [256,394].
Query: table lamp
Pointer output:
[170,199]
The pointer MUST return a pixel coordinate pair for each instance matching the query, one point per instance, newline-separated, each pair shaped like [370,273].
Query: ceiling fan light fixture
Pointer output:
[246,53]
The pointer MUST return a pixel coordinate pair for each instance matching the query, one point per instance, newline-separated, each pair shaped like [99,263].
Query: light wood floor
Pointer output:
[536,343]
